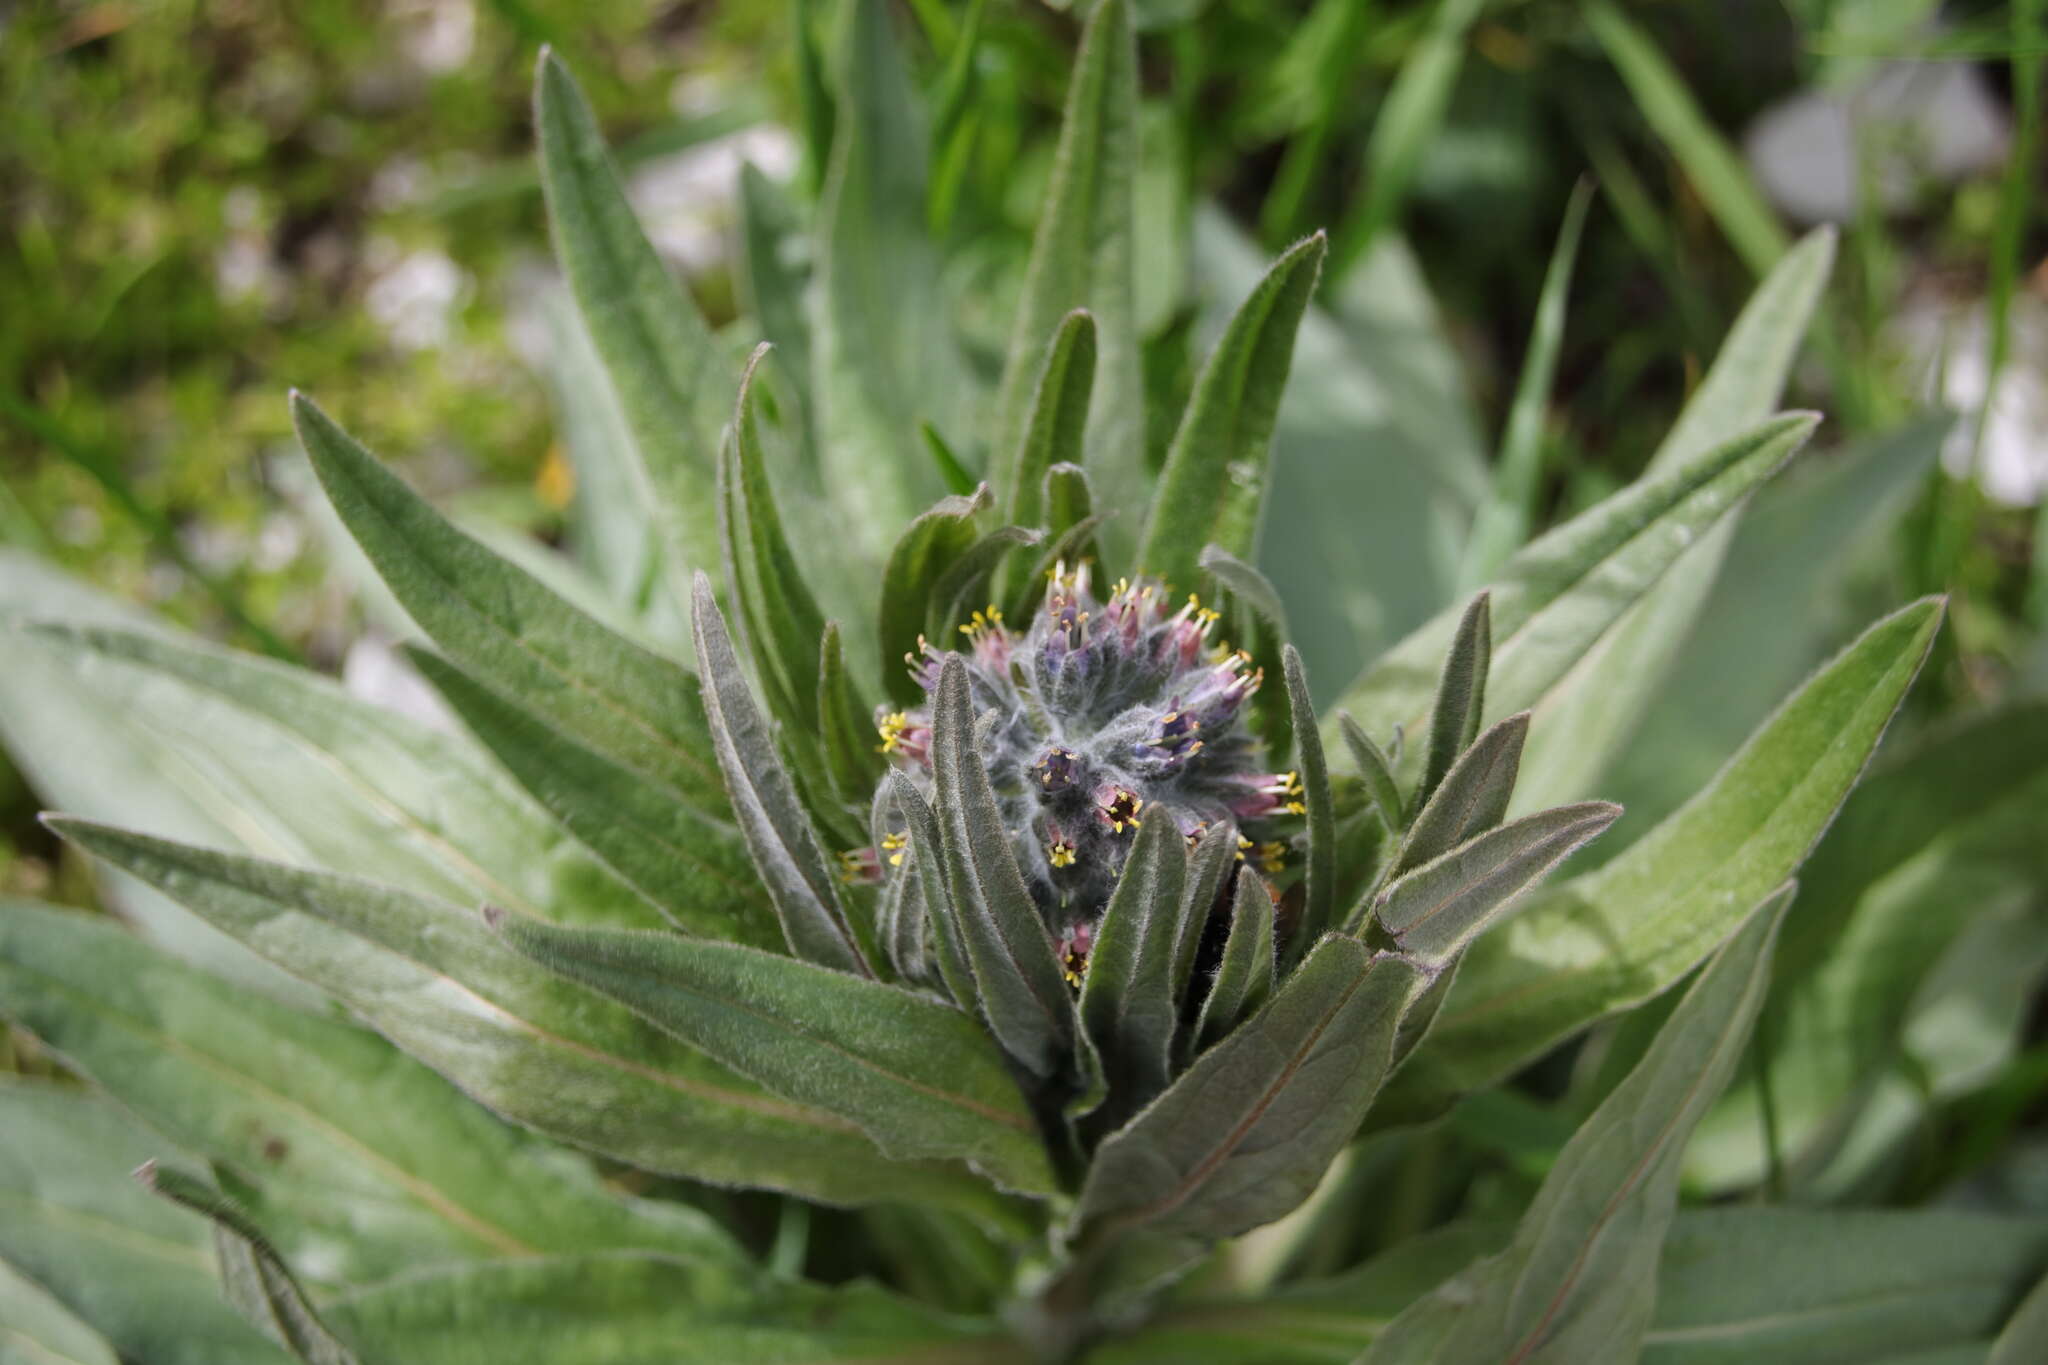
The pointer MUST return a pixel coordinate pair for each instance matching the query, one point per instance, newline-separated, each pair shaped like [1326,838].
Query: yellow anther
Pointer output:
[891,730]
[1060,853]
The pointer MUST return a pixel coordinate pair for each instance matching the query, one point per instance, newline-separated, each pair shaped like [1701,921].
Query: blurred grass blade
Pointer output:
[1244,979]
[541,1051]
[1578,1283]
[1082,256]
[919,1077]
[694,874]
[1127,1003]
[254,1277]
[499,622]
[1407,121]
[1238,1140]
[928,547]
[1435,911]
[1217,469]
[1015,969]
[773,821]
[1319,898]
[656,348]
[1617,936]
[1713,167]
[1502,523]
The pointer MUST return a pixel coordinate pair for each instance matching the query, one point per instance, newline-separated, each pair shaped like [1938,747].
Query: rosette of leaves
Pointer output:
[1058,977]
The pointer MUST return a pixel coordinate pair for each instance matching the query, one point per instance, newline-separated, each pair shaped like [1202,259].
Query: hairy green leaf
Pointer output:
[1319,901]
[1214,485]
[846,728]
[1082,256]
[35,1329]
[1460,696]
[929,547]
[1619,935]
[543,1052]
[1244,977]
[772,819]
[1057,420]
[1472,798]
[1578,1283]
[918,1076]
[1376,771]
[660,357]
[1127,1002]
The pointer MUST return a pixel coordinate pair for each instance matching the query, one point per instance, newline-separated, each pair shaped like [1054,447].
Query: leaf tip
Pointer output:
[145,1175]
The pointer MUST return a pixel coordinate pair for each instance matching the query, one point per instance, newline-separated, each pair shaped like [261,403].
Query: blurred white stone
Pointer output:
[686,201]
[1917,121]
[440,35]
[378,673]
[414,296]
[1948,344]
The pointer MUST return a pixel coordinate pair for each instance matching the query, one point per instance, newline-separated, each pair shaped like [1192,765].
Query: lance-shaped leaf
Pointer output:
[1071,522]
[1460,695]
[1319,901]
[689,869]
[1082,256]
[1244,1135]
[1210,866]
[1214,485]
[608,1310]
[360,1157]
[779,620]
[1601,701]
[539,1050]
[1472,798]
[903,925]
[1578,1283]
[1435,911]
[257,1282]
[1840,1286]
[965,585]
[1376,771]
[1244,978]
[772,819]
[918,1076]
[136,1269]
[1127,1001]
[659,354]
[1620,934]
[771,284]
[1556,598]
[2025,1337]
[502,624]
[41,1331]
[1057,418]
[1016,971]
[1250,586]
[923,554]
[315,774]
[846,729]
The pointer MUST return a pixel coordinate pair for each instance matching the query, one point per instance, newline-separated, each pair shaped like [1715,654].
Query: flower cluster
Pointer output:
[1097,717]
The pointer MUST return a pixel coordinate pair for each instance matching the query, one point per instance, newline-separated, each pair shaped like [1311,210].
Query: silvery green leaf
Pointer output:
[362,1160]
[770,282]
[1472,798]
[919,1076]
[1127,1002]
[948,934]
[1502,522]
[1218,466]
[1460,696]
[779,619]
[2025,1337]
[1836,1286]
[885,358]
[928,547]
[138,1270]
[1556,598]
[500,623]
[317,775]
[1578,1282]
[1319,901]
[1435,911]
[611,1310]
[257,1282]
[1056,421]
[1602,700]
[1071,524]
[1619,935]
[846,728]
[543,1052]
[693,871]
[1248,584]
[1376,771]
[1082,256]
[1244,978]
[772,819]
[902,924]
[965,586]
[1242,1137]
[1016,972]
[1211,865]
[662,362]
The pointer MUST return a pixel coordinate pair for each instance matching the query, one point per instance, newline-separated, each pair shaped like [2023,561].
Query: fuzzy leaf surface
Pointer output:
[1127,1002]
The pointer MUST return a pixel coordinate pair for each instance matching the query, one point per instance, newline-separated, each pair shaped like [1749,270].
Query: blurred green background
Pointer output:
[208,203]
